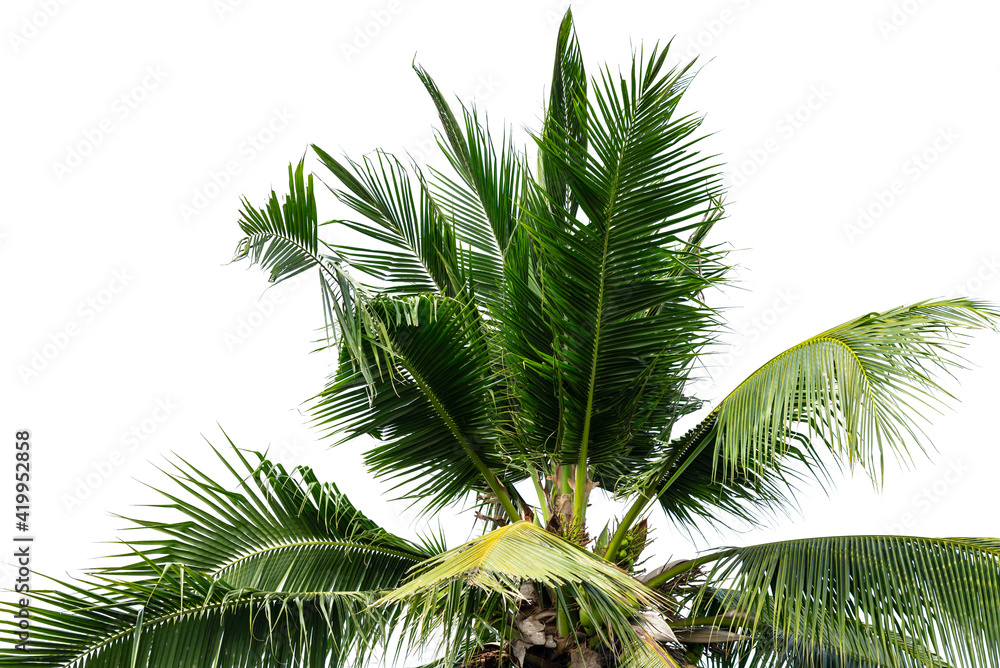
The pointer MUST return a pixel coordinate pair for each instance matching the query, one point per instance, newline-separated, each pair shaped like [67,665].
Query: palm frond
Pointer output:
[818,643]
[499,561]
[430,409]
[283,239]
[565,119]
[647,653]
[907,599]
[621,289]
[183,617]
[413,248]
[269,529]
[483,199]
[273,567]
[860,388]
[692,493]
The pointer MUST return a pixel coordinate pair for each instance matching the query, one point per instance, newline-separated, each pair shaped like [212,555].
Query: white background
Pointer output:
[818,109]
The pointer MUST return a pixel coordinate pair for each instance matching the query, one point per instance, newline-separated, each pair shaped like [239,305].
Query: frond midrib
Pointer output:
[218,571]
[200,608]
[802,344]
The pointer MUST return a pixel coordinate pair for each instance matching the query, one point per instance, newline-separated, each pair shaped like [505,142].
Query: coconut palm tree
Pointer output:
[512,338]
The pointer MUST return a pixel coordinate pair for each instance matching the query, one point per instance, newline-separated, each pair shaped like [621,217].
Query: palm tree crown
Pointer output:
[516,336]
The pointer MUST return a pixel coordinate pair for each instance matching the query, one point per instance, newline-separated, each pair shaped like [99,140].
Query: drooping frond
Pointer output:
[859,388]
[183,617]
[431,407]
[271,530]
[816,643]
[646,653]
[499,561]
[283,239]
[905,599]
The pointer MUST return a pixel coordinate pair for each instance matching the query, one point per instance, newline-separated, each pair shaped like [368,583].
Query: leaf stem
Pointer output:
[626,522]
[686,566]
[720,621]
[543,501]
[644,497]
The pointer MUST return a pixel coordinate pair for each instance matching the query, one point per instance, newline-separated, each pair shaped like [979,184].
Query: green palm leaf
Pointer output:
[270,530]
[413,248]
[565,119]
[276,566]
[185,618]
[431,407]
[620,289]
[283,238]
[860,388]
[692,493]
[483,197]
[823,643]
[905,598]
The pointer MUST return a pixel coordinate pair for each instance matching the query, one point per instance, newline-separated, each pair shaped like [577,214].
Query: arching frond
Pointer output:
[499,561]
[886,600]
[861,389]
[430,409]
[183,617]
[271,530]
